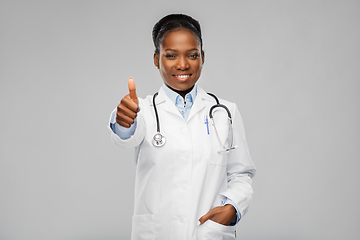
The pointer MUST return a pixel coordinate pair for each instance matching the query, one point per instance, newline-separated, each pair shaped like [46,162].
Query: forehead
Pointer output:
[180,39]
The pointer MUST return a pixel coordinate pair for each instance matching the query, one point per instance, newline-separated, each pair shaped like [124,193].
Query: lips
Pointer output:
[182,76]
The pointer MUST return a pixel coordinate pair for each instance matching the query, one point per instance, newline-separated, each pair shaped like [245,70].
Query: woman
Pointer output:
[185,187]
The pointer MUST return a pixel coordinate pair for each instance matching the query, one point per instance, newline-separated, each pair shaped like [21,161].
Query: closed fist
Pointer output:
[129,107]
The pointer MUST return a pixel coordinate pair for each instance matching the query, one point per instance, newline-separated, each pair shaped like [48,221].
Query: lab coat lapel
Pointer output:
[199,103]
[162,101]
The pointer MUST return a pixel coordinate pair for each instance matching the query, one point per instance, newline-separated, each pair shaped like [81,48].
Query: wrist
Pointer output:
[231,209]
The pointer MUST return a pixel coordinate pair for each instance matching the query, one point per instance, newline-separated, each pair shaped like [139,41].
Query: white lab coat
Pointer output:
[181,181]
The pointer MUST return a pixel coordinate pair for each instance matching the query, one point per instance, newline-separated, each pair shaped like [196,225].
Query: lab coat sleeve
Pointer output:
[138,135]
[240,168]
[123,132]
[238,214]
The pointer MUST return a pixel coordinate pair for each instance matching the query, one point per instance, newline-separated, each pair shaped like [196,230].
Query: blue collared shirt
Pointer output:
[184,106]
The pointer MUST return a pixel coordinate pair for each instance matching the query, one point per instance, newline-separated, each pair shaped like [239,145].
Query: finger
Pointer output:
[224,214]
[124,118]
[123,109]
[125,121]
[206,217]
[123,124]
[132,90]
[129,103]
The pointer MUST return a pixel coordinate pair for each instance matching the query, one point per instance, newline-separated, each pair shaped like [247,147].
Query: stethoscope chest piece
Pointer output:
[158,140]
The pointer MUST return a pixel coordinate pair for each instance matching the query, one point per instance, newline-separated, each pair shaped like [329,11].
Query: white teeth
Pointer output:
[182,76]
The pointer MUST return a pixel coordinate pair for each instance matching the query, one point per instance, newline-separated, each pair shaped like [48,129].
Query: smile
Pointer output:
[182,76]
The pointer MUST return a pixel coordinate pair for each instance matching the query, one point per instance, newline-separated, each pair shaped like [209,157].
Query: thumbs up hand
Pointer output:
[129,107]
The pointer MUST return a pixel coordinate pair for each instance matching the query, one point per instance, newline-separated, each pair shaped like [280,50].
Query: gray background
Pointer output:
[293,68]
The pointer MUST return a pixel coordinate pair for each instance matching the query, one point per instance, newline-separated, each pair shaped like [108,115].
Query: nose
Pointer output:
[182,64]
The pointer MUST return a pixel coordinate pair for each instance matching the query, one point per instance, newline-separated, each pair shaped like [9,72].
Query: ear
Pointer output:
[156,60]
[202,57]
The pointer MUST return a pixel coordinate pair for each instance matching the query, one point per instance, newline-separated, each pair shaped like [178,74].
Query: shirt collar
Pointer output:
[174,96]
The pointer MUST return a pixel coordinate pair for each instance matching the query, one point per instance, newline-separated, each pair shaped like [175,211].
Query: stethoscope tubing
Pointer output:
[156,113]
[221,106]
[159,140]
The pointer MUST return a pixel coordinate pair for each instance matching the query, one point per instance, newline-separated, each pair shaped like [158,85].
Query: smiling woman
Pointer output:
[180,60]
[188,187]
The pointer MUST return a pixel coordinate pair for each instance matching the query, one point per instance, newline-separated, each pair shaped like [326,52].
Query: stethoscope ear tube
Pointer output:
[218,105]
[222,106]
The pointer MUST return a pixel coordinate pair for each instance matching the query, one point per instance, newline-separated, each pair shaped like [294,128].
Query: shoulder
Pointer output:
[206,96]
[147,101]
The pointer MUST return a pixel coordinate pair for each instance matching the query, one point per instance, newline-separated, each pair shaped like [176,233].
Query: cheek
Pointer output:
[165,66]
[197,66]
[164,72]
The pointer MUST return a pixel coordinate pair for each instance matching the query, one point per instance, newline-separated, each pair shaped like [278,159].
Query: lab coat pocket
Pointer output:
[212,230]
[143,227]
[219,138]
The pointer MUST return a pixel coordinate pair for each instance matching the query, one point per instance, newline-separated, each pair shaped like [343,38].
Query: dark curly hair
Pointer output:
[173,21]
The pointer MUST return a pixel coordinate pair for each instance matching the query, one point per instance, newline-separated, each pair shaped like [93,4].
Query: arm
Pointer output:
[240,170]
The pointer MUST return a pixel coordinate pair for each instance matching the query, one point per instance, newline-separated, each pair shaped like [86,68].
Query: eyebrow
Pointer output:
[173,50]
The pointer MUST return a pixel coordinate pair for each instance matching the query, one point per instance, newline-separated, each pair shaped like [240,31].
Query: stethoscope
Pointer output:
[159,140]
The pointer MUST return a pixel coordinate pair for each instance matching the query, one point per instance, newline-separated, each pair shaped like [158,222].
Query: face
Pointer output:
[180,60]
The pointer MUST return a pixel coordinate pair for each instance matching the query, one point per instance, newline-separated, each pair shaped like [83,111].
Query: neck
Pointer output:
[181,93]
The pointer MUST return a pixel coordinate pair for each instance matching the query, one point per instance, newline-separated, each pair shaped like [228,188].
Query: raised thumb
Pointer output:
[132,90]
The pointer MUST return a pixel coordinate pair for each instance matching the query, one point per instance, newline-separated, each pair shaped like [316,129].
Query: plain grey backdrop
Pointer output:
[292,67]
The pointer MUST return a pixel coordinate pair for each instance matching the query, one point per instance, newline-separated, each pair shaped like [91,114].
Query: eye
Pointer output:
[170,56]
[194,56]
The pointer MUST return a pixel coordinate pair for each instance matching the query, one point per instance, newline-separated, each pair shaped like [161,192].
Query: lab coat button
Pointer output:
[184,188]
[181,219]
